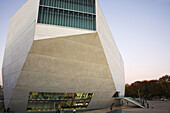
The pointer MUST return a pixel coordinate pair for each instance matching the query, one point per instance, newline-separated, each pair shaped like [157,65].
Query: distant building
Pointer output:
[60,54]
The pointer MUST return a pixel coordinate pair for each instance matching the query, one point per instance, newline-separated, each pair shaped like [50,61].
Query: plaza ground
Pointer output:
[159,107]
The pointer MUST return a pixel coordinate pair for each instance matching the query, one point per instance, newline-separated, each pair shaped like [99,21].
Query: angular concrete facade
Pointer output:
[50,58]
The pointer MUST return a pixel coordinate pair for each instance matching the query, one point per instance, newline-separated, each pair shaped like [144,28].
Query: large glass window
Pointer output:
[51,101]
[70,13]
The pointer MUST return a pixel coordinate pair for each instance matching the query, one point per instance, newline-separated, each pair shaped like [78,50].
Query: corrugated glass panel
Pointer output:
[70,13]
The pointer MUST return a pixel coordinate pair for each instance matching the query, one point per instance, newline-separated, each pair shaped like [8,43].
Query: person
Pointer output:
[122,102]
[74,110]
[147,105]
[127,102]
[8,109]
[143,103]
[57,111]
[61,111]
[60,107]
[152,106]
[4,110]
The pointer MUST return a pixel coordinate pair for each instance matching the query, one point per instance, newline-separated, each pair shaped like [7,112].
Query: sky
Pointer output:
[141,29]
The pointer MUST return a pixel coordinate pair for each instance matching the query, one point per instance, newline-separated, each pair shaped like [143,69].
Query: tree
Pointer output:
[148,89]
[165,85]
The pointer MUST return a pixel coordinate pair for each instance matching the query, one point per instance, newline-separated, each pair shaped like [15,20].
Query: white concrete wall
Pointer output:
[45,31]
[111,51]
[19,40]
[69,64]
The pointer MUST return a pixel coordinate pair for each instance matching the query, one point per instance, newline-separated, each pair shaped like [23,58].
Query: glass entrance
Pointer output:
[51,101]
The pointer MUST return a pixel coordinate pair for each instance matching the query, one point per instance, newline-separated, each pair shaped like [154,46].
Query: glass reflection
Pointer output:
[51,101]
[70,13]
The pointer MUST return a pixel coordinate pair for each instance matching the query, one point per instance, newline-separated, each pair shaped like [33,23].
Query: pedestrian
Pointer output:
[152,106]
[147,105]
[4,110]
[74,110]
[8,109]
[127,102]
[122,102]
[143,103]
[61,111]
[57,111]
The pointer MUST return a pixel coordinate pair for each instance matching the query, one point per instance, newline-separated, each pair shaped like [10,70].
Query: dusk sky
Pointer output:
[141,29]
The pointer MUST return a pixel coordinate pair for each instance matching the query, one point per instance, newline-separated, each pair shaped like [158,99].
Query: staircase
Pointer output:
[131,100]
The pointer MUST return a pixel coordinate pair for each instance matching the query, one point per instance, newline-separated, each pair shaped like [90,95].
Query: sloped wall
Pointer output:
[71,64]
[19,40]
[111,51]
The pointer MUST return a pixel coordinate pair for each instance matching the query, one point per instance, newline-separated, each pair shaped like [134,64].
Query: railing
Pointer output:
[130,99]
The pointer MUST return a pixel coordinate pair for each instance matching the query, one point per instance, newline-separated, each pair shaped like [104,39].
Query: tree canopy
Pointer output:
[149,89]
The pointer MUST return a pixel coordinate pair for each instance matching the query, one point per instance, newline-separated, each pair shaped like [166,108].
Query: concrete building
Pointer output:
[60,54]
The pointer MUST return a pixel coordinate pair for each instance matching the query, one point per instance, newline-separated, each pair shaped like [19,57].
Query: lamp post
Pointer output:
[138,94]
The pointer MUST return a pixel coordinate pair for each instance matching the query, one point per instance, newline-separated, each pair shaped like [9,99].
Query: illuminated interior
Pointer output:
[52,101]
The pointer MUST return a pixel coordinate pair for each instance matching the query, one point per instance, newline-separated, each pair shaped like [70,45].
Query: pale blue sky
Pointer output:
[141,29]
